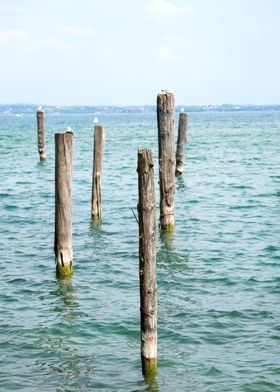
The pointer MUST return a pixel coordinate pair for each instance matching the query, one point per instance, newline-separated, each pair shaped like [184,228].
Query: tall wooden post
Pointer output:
[41,134]
[63,203]
[166,155]
[99,138]
[181,141]
[147,262]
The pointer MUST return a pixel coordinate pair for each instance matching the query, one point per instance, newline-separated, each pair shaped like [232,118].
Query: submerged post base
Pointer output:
[167,227]
[149,367]
[43,157]
[179,171]
[64,271]
[167,221]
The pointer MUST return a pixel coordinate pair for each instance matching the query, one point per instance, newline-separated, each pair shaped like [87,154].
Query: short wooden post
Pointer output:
[181,141]
[166,155]
[63,203]
[41,134]
[147,262]
[99,139]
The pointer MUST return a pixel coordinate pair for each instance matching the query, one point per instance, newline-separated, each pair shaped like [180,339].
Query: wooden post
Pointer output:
[41,134]
[181,141]
[99,138]
[63,203]
[147,262]
[166,155]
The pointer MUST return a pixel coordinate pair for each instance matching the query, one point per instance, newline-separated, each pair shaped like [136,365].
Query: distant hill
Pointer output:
[6,109]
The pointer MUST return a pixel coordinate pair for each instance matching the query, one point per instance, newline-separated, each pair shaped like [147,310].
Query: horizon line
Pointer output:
[139,105]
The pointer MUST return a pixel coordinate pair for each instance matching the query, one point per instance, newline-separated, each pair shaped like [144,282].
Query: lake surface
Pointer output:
[218,273]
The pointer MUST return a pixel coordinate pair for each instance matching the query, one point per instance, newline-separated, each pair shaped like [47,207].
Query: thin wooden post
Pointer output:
[41,134]
[166,155]
[63,203]
[99,139]
[181,141]
[147,262]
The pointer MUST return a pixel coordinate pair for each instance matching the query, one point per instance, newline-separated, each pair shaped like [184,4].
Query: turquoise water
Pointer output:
[218,273]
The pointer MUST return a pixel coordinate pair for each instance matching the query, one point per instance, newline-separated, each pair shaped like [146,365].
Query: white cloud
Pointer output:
[163,11]
[29,41]
[174,48]
[77,31]
[110,55]
[9,6]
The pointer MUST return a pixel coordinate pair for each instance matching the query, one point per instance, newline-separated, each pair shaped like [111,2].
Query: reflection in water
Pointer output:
[96,225]
[69,366]
[169,251]
[167,240]
[152,382]
[66,292]
[180,183]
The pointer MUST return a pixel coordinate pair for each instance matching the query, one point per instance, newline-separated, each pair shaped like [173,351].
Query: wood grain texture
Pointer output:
[181,143]
[166,155]
[147,261]
[63,203]
[41,134]
[99,140]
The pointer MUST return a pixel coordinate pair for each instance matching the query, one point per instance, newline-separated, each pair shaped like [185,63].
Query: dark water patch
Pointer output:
[18,280]
[241,207]
[213,371]
[240,186]
[272,248]
[194,201]
[260,385]
[218,339]
[275,337]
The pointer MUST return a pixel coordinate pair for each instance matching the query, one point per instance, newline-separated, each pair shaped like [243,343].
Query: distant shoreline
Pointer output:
[11,109]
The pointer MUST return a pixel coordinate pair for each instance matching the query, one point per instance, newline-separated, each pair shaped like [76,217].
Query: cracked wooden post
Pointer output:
[99,138]
[41,134]
[63,203]
[181,141]
[166,155]
[147,262]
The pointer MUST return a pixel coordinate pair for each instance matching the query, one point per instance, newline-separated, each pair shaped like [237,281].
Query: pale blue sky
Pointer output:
[122,52]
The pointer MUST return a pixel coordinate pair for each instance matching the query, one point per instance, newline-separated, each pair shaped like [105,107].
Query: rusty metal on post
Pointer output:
[147,262]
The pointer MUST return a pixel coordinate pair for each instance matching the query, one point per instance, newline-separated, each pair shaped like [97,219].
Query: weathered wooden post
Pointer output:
[63,203]
[41,134]
[147,262]
[99,138]
[166,155]
[181,141]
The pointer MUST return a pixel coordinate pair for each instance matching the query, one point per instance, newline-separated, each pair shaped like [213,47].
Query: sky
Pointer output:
[124,52]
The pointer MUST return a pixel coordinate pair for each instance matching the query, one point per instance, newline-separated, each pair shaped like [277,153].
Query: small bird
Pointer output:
[69,130]
[168,91]
[95,121]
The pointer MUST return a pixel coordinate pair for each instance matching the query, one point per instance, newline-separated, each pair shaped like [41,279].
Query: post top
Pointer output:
[167,91]
[69,130]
